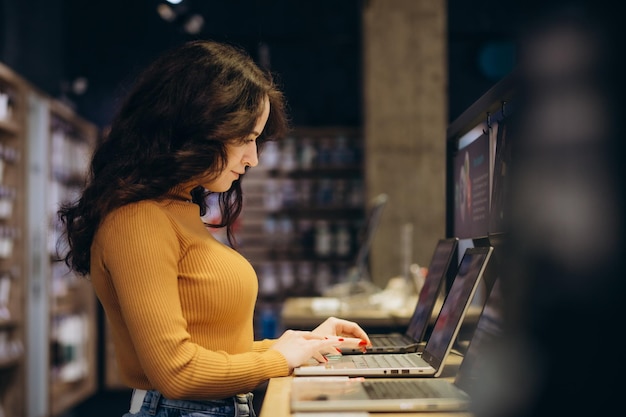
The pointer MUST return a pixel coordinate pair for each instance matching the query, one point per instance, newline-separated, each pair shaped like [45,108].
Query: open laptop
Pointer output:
[413,340]
[407,394]
[430,362]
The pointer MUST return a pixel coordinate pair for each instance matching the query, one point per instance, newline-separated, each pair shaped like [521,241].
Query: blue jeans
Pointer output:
[156,405]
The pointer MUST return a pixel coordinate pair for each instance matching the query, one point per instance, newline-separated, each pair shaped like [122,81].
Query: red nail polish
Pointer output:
[338,350]
[341,339]
[362,343]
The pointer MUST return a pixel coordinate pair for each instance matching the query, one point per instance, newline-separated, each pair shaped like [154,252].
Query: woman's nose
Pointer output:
[251,157]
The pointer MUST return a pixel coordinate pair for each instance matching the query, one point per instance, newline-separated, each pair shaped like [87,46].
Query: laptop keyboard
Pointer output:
[386,361]
[386,341]
[398,389]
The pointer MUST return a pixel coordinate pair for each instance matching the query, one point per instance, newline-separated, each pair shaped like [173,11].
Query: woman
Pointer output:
[180,304]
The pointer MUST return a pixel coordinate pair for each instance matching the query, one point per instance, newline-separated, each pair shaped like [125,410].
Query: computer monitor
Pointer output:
[478,152]
[478,147]
[472,186]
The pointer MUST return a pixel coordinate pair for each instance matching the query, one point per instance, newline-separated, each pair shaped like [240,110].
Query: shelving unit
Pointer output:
[73,376]
[303,210]
[62,350]
[12,231]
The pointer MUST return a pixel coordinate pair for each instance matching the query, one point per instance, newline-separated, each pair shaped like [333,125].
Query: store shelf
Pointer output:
[73,377]
[303,209]
[62,351]
[12,231]
[39,300]
[10,361]
[9,127]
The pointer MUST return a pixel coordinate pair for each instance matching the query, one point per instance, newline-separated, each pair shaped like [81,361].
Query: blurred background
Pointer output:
[565,286]
[88,51]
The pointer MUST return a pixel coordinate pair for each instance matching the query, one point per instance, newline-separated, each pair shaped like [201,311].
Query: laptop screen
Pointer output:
[429,294]
[488,330]
[455,305]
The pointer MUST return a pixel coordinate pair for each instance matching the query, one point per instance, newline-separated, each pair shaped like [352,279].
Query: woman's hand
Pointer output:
[349,334]
[299,346]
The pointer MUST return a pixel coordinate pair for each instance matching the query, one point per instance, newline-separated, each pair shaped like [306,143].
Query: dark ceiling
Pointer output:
[314,48]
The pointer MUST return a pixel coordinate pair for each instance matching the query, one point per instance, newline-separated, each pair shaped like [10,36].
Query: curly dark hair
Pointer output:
[174,126]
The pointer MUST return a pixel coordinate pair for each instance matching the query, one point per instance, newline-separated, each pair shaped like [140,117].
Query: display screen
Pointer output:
[501,173]
[472,189]
[437,271]
[468,277]
[478,356]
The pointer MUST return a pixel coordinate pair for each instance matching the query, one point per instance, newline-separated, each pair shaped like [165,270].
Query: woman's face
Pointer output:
[239,156]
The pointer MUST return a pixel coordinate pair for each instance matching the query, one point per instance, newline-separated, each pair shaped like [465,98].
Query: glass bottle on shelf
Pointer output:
[5,292]
[285,233]
[2,163]
[287,277]
[7,198]
[343,240]
[324,155]
[342,156]
[323,277]
[5,112]
[356,197]
[268,281]
[323,238]
[269,156]
[272,199]
[306,236]
[340,192]
[307,154]
[304,277]
[324,193]
[270,229]
[290,193]
[289,157]
[304,192]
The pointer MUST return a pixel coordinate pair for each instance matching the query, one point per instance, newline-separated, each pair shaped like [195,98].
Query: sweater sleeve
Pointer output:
[140,249]
[262,345]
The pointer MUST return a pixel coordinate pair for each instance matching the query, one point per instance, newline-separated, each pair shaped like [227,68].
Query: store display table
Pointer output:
[276,402]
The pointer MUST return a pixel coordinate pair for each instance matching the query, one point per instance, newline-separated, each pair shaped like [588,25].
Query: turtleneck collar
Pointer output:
[181,192]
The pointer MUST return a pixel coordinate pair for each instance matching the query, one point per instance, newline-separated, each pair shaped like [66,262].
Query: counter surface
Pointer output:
[276,402]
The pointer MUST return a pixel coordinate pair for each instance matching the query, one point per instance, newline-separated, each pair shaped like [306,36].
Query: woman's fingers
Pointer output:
[344,343]
[312,336]
[319,357]
[348,328]
[354,343]
[340,327]
[300,346]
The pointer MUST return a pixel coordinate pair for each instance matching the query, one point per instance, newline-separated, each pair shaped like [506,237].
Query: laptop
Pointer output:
[334,394]
[414,339]
[430,362]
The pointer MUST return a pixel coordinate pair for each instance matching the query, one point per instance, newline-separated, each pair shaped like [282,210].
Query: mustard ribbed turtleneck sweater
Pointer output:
[179,304]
